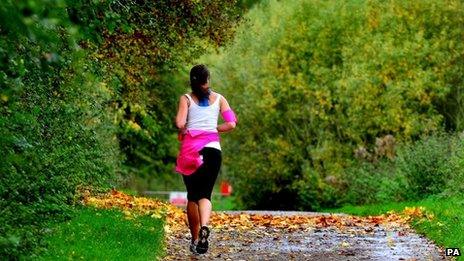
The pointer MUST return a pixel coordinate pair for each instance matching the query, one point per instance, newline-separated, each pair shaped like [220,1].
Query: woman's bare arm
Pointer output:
[181,118]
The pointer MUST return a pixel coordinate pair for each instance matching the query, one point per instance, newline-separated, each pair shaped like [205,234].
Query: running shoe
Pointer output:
[193,248]
[202,245]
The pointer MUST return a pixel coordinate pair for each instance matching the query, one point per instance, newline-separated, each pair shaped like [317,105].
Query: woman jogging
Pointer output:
[199,159]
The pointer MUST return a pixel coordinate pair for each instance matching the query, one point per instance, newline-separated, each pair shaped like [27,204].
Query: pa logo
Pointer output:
[453,251]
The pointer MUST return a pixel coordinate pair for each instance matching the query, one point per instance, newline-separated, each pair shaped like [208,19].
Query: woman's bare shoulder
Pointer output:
[219,95]
[183,97]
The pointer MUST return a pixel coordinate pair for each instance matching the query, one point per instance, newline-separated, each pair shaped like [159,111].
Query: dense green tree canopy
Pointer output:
[312,81]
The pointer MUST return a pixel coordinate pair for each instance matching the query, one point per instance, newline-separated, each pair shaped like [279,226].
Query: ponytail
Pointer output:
[199,75]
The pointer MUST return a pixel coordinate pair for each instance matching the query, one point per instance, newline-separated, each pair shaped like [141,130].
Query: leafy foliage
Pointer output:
[425,164]
[141,45]
[426,167]
[367,183]
[454,168]
[81,82]
[55,134]
[312,81]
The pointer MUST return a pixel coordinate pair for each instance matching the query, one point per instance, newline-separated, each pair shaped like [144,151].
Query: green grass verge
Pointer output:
[446,228]
[98,234]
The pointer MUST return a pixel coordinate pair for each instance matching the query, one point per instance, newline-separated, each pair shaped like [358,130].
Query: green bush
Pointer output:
[312,191]
[453,170]
[369,183]
[313,80]
[56,133]
[429,166]
[425,164]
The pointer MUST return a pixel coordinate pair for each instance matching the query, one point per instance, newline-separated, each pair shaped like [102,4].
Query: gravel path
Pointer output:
[265,235]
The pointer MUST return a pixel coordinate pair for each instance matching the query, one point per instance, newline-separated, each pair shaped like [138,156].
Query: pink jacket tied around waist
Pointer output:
[189,160]
[193,141]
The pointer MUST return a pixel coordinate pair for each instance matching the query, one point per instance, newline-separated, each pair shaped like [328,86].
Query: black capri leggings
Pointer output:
[200,184]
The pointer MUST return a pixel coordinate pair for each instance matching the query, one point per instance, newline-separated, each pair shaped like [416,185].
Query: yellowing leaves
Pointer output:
[245,228]
[131,206]
[411,213]
[345,244]
[414,211]
[134,125]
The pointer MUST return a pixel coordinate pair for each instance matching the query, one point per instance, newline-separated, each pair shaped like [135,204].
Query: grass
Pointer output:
[221,203]
[446,228]
[97,234]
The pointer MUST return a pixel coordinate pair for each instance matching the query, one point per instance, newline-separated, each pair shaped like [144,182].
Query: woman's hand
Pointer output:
[181,133]
[225,127]
[182,130]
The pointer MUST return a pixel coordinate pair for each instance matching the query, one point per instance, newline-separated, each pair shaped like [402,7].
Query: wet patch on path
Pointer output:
[305,236]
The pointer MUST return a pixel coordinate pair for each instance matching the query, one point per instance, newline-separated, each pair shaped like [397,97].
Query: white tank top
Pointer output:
[204,118]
